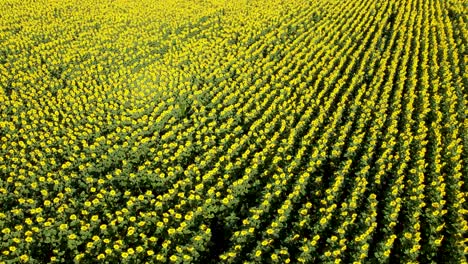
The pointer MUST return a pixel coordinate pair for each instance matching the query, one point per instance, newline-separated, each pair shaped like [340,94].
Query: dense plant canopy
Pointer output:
[233,131]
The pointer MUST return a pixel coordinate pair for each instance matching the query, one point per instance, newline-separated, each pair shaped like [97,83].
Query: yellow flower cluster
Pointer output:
[232,131]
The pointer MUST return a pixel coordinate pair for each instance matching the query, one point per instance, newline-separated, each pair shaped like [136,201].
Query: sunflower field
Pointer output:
[233,131]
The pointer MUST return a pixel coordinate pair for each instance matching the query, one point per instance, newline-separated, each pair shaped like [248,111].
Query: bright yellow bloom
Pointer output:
[24,258]
[274,257]
[173,258]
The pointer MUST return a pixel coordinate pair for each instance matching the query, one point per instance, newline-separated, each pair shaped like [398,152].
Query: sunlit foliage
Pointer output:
[240,131]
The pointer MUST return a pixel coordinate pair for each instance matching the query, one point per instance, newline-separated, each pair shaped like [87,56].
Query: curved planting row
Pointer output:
[233,131]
